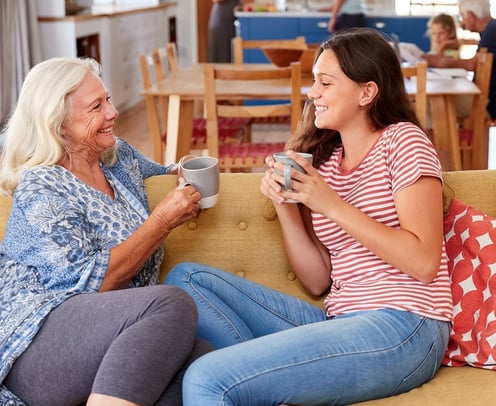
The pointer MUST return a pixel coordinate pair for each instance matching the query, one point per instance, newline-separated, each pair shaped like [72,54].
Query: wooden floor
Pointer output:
[132,125]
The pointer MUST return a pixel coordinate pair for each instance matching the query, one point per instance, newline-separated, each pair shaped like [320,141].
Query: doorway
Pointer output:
[203,8]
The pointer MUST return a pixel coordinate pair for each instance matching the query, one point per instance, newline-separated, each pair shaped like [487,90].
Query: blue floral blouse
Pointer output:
[57,243]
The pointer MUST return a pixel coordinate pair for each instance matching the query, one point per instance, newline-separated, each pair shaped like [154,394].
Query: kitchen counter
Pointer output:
[116,36]
[283,14]
[312,24]
[323,13]
[108,10]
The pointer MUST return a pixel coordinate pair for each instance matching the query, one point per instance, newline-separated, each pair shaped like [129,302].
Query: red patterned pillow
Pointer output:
[470,237]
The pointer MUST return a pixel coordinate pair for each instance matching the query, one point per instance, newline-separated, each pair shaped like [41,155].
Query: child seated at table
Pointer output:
[442,31]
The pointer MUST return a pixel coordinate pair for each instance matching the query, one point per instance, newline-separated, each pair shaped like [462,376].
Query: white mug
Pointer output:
[203,173]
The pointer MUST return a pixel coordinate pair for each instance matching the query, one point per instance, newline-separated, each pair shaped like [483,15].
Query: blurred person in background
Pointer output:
[221,30]
[441,29]
[475,16]
[346,14]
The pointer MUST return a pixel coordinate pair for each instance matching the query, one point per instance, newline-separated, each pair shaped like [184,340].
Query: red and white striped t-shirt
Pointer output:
[362,280]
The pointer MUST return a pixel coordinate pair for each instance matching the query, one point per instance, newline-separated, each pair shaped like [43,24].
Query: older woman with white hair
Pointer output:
[84,319]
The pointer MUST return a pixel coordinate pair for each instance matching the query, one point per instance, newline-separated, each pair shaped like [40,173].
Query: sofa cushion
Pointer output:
[470,244]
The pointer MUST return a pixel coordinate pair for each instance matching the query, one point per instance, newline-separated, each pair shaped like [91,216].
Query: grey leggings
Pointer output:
[134,344]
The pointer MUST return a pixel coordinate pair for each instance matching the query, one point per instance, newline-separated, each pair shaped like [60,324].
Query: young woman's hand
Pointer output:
[269,186]
[308,188]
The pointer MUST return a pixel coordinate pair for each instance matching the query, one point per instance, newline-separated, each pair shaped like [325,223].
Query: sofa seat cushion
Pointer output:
[452,386]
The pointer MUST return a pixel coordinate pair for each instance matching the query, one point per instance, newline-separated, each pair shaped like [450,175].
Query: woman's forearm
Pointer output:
[127,258]
[304,254]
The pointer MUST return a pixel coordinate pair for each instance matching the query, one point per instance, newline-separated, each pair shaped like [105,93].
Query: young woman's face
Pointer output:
[335,96]
[89,127]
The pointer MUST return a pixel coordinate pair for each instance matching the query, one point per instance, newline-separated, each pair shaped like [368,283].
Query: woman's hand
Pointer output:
[308,188]
[180,205]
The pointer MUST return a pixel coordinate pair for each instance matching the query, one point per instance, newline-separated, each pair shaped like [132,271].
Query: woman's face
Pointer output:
[335,96]
[89,127]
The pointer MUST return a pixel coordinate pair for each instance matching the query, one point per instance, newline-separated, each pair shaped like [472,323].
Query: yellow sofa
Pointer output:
[241,234]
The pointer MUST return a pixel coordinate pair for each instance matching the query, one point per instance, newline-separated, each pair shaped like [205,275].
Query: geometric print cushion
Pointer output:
[470,238]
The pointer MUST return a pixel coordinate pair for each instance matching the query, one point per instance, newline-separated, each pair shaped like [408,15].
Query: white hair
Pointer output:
[481,8]
[32,136]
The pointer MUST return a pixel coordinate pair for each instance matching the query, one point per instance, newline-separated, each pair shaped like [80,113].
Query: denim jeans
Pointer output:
[277,349]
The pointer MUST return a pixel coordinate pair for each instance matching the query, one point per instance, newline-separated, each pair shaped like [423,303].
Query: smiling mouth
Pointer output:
[106,130]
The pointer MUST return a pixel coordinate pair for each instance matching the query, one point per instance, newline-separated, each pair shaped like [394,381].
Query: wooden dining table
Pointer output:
[186,86]
[441,97]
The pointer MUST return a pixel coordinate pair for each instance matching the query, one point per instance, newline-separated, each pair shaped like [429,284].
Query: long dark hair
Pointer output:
[364,55]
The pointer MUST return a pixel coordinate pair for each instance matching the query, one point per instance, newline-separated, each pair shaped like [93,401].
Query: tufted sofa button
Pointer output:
[291,276]
[241,274]
[192,225]
[243,225]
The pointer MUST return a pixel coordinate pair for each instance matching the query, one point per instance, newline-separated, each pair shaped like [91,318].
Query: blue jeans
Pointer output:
[286,351]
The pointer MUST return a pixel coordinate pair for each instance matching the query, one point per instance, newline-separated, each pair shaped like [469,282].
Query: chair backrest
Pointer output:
[475,127]
[215,109]
[239,45]
[419,72]
[482,78]
[165,60]
[154,67]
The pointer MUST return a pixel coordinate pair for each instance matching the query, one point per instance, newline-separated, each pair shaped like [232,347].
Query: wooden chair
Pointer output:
[474,129]
[154,67]
[165,60]
[419,72]
[239,45]
[248,154]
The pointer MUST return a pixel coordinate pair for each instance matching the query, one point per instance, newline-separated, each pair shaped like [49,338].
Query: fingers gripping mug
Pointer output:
[203,173]
[289,163]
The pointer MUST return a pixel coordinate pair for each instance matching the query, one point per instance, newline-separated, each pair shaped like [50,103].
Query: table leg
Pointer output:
[153,122]
[179,128]
[445,126]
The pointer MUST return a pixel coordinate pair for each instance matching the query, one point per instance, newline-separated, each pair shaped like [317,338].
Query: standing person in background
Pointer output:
[475,16]
[442,32]
[221,30]
[346,14]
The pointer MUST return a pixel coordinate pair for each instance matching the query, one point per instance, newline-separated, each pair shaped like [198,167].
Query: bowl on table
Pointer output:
[282,57]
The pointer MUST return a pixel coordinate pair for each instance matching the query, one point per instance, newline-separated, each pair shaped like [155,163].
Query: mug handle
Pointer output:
[182,185]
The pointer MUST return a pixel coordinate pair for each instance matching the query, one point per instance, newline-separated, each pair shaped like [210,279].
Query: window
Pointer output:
[431,7]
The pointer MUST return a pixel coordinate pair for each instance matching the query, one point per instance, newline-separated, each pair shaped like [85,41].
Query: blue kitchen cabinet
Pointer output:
[408,28]
[257,25]
[314,29]
[269,27]
[265,28]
